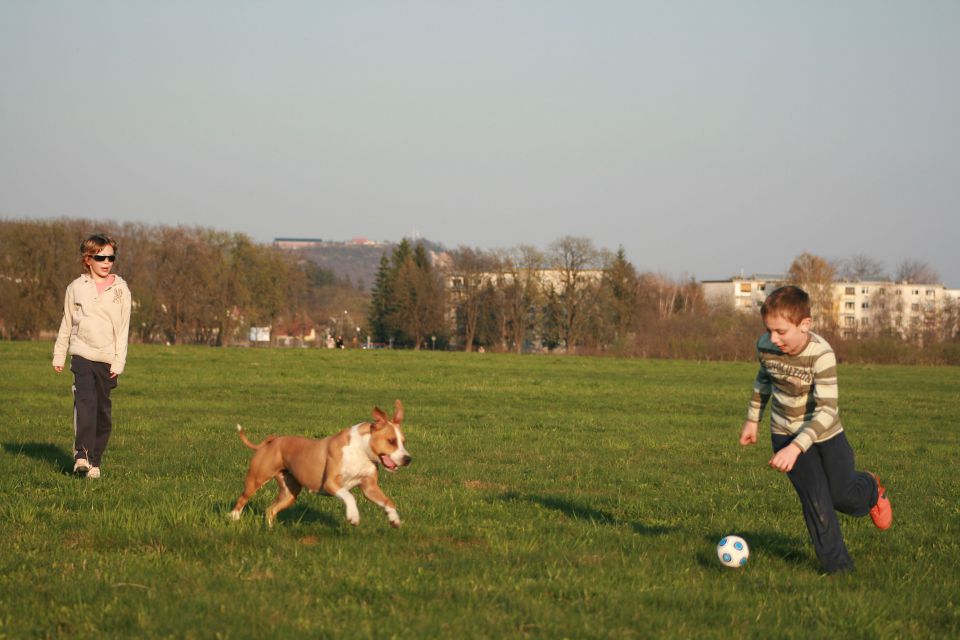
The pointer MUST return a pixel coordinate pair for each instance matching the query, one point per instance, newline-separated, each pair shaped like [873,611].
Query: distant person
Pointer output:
[798,370]
[339,342]
[94,332]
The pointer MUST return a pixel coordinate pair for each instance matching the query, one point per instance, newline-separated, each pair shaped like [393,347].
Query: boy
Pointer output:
[799,371]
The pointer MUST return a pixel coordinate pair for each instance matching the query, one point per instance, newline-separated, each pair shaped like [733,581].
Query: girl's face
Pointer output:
[100,263]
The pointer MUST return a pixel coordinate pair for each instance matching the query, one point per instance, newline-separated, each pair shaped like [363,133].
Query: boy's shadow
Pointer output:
[43,451]
[786,548]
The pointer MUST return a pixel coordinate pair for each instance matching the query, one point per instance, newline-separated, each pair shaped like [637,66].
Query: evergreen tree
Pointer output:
[380,297]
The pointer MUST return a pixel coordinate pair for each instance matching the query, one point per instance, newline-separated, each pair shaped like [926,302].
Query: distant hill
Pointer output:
[354,260]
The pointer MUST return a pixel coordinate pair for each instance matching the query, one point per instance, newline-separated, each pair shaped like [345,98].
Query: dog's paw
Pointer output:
[234,515]
[393,517]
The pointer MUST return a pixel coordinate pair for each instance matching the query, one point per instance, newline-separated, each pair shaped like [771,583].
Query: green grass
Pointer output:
[548,497]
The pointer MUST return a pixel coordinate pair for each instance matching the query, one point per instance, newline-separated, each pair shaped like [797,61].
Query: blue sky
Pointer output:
[704,137]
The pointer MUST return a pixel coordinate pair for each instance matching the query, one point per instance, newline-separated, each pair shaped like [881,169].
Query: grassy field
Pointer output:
[548,497]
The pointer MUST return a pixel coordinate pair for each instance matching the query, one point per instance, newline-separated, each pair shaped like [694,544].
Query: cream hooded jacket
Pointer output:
[95,327]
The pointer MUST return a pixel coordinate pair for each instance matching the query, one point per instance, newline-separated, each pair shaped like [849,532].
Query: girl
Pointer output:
[94,331]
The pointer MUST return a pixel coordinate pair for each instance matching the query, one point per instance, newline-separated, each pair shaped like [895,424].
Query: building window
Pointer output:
[864,322]
[850,291]
[850,305]
[848,334]
[864,305]
[914,307]
[916,292]
[864,291]
[849,321]
[931,293]
[881,291]
[744,287]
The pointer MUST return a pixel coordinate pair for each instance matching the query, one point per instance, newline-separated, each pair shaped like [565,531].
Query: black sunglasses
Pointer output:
[100,258]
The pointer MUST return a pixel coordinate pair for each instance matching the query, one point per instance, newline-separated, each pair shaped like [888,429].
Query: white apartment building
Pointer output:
[859,308]
[744,293]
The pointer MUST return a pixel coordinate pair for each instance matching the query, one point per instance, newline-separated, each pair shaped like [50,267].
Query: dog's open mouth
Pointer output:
[388,462]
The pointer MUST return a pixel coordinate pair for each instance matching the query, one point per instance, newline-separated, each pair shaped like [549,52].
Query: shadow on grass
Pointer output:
[789,549]
[305,514]
[43,451]
[582,512]
[297,514]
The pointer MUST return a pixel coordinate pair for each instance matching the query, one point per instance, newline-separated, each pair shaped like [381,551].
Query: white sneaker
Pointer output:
[94,473]
[81,466]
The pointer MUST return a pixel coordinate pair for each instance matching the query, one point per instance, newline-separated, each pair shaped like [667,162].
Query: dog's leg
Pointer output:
[353,514]
[250,486]
[289,489]
[374,494]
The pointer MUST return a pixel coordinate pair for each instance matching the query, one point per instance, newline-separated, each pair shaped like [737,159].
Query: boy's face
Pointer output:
[788,337]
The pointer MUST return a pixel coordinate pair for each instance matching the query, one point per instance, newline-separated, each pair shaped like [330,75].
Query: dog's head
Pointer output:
[387,440]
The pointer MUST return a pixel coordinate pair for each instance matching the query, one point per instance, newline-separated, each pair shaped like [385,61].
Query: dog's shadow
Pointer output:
[53,455]
[307,515]
[576,511]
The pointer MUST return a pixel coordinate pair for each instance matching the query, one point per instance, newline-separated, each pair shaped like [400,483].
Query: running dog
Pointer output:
[336,464]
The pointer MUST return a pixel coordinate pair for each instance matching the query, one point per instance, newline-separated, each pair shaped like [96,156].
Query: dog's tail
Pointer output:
[243,438]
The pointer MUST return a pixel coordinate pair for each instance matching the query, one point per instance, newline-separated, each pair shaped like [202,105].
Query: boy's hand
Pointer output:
[784,459]
[748,435]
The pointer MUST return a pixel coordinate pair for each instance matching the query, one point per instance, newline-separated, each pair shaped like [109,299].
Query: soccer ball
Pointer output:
[733,551]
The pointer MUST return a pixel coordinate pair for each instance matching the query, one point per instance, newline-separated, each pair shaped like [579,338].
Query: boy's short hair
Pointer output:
[790,302]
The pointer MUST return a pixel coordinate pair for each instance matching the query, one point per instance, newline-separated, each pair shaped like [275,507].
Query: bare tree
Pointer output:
[516,294]
[469,273]
[861,267]
[572,290]
[816,276]
[917,272]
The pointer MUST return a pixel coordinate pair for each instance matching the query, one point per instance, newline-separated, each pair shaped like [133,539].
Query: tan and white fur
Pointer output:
[335,464]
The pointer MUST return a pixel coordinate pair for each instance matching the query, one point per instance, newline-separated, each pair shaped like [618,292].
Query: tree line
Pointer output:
[199,286]
[190,285]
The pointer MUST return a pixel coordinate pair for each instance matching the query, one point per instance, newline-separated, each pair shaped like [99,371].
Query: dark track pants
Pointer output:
[92,420]
[826,482]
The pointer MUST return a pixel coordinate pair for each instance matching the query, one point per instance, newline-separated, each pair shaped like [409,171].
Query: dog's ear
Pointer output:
[379,417]
[397,411]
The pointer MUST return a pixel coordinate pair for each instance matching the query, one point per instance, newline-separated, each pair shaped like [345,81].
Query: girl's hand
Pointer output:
[58,369]
[748,435]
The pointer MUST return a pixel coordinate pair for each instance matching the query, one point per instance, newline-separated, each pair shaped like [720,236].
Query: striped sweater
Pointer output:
[803,388]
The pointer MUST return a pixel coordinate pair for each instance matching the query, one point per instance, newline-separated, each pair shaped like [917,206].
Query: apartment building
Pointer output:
[859,308]
[745,293]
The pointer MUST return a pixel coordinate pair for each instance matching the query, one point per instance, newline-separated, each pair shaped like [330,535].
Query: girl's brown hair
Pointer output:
[92,246]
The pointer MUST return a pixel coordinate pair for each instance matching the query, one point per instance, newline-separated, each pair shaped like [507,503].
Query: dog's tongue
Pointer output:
[388,462]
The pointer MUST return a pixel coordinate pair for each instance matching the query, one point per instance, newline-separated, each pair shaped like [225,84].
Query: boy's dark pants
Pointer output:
[92,420]
[826,482]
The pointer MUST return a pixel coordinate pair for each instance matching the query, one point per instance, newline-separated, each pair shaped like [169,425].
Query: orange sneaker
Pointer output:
[882,512]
